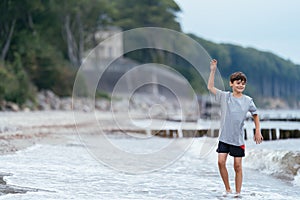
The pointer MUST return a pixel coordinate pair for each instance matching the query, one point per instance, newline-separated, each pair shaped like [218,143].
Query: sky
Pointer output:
[267,25]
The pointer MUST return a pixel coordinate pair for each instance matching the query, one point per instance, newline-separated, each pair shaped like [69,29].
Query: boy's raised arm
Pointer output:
[211,79]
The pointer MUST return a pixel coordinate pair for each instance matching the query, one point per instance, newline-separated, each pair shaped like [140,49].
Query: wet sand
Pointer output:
[12,189]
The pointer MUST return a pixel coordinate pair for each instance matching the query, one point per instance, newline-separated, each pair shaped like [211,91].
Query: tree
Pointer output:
[80,20]
[14,15]
[146,13]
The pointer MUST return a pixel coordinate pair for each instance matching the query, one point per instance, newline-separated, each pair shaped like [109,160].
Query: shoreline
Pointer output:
[12,189]
[24,137]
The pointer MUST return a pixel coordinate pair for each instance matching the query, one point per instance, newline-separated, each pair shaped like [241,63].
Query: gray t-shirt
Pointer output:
[233,114]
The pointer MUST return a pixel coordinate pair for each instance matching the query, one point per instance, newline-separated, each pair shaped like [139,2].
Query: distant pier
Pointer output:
[268,134]
[273,134]
[274,125]
[291,115]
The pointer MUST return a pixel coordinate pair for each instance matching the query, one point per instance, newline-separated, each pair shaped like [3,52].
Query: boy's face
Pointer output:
[238,86]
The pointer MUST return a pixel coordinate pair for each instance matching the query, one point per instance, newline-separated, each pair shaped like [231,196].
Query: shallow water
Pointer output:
[70,172]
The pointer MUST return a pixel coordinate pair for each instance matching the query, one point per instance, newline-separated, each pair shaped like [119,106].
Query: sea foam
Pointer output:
[280,163]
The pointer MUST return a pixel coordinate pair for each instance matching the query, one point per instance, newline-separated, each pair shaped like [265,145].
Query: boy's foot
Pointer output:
[226,193]
[237,195]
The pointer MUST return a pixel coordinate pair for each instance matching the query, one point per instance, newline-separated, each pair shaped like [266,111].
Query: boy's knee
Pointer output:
[221,163]
[237,167]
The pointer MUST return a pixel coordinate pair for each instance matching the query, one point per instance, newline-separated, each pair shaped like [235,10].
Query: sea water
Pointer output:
[69,171]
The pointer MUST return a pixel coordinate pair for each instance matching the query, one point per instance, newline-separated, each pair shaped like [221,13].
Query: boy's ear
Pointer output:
[230,84]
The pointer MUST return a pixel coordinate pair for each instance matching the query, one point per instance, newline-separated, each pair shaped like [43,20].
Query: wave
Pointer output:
[284,164]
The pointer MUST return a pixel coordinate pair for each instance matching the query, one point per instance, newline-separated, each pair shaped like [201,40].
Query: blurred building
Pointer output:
[107,66]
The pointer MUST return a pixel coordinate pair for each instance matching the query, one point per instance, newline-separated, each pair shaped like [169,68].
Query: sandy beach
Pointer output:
[24,129]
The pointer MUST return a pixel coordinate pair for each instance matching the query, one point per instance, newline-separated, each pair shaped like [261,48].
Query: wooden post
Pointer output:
[202,132]
[284,134]
[273,134]
[216,133]
[245,134]
[174,133]
[265,133]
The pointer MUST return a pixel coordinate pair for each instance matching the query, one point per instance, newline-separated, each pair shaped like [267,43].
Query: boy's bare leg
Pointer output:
[222,157]
[238,174]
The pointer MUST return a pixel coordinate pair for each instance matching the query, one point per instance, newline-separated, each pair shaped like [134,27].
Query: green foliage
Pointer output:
[102,95]
[15,85]
[7,80]
[43,63]
[131,14]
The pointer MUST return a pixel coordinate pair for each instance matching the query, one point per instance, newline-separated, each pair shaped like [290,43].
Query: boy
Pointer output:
[234,108]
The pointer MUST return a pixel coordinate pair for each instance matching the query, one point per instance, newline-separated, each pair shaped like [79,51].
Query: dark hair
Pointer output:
[236,76]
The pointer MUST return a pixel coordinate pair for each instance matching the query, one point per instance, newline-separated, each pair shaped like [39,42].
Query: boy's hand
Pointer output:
[213,64]
[258,138]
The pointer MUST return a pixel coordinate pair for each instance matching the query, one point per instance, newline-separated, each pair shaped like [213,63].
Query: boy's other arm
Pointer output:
[211,79]
[258,138]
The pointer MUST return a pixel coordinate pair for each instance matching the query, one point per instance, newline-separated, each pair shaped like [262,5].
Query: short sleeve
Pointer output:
[252,108]
[220,96]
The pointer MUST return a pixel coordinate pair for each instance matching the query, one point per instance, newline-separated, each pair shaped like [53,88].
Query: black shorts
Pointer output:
[235,151]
